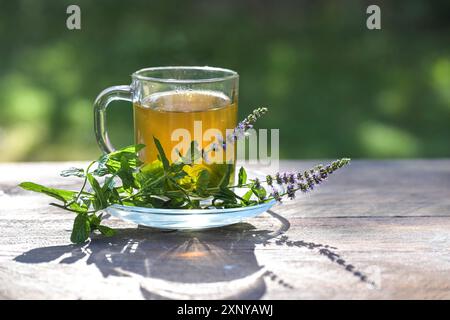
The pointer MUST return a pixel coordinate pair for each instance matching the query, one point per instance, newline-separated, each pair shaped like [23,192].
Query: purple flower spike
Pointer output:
[290,191]
[278,178]
[276,195]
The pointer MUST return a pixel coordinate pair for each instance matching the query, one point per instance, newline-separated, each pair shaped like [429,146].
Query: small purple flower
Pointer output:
[290,190]
[309,181]
[276,195]
[240,130]
[247,123]
[303,181]
[323,173]
[291,178]
[303,187]
[317,179]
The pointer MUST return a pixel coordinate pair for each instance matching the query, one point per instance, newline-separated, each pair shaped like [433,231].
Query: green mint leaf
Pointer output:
[109,184]
[114,196]
[226,195]
[195,204]
[125,174]
[226,178]
[106,231]
[150,176]
[101,169]
[81,229]
[154,168]
[176,203]
[202,183]
[260,192]
[242,178]
[177,167]
[132,149]
[162,155]
[60,194]
[112,161]
[247,195]
[100,202]
[193,154]
[72,206]
[94,221]
[179,175]
[76,172]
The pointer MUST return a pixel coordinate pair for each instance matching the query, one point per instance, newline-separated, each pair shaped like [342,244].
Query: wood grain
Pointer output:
[377,230]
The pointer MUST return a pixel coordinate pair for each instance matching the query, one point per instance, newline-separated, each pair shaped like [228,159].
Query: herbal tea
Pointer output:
[159,115]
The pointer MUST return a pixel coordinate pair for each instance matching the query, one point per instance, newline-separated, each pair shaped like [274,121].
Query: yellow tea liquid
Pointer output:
[162,113]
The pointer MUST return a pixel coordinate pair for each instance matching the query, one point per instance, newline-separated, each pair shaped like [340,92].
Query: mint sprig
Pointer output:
[121,178]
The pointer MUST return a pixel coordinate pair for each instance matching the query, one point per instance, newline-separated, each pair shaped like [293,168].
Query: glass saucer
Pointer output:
[186,219]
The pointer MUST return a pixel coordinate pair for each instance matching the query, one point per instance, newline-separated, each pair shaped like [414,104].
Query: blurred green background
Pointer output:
[334,87]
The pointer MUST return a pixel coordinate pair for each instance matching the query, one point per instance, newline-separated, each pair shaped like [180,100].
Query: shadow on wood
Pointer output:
[218,263]
[210,264]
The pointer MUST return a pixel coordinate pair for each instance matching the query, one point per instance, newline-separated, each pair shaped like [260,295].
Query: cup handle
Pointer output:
[101,103]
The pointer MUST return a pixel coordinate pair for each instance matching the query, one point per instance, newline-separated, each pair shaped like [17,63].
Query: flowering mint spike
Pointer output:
[257,183]
[290,190]
[303,181]
[303,187]
[323,173]
[276,194]
[240,131]
[278,178]
[291,178]
[317,179]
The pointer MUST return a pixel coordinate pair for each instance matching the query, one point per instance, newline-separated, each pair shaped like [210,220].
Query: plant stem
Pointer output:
[72,210]
[85,181]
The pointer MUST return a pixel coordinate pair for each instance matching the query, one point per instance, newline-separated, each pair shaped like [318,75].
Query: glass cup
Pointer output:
[176,105]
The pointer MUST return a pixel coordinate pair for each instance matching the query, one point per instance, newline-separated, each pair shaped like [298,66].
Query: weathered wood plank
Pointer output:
[348,240]
[380,188]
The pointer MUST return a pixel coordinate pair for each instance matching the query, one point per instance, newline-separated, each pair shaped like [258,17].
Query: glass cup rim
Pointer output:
[228,74]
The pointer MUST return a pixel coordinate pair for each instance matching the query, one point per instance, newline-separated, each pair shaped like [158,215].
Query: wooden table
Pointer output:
[375,230]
